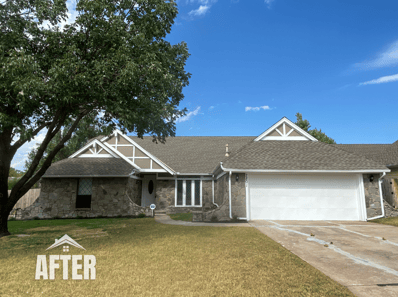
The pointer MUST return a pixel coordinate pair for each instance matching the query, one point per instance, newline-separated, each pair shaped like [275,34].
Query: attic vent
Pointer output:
[226,150]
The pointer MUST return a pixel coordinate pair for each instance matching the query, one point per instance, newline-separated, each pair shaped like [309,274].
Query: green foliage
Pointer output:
[214,219]
[112,64]
[141,215]
[12,182]
[182,217]
[15,172]
[318,134]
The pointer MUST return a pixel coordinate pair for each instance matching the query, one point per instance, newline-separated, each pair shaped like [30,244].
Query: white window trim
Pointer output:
[184,181]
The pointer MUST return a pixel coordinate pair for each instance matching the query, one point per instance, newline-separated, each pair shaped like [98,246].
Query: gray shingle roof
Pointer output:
[89,167]
[386,154]
[392,154]
[297,155]
[193,154]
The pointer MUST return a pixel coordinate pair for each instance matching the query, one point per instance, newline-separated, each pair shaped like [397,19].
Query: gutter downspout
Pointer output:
[230,196]
[381,200]
[212,189]
[229,190]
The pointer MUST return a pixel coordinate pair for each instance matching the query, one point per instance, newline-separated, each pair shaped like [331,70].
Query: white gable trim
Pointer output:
[90,144]
[122,156]
[284,120]
[160,163]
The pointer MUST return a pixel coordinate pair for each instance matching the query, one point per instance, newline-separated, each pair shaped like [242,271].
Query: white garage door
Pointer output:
[305,197]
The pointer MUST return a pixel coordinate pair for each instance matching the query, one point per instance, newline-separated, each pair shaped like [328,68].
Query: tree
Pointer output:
[86,130]
[318,134]
[15,172]
[113,60]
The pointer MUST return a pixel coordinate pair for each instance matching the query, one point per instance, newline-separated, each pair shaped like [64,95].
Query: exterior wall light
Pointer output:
[371,178]
[237,177]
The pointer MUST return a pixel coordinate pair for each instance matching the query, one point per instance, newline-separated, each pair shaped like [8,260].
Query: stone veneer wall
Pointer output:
[238,195]
[221,213]
[109,198]
[372,195]
[134,190]
[165,194]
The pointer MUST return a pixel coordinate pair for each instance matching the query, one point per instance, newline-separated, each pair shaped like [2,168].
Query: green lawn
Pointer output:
[182,217]
[387,221]
[140,257]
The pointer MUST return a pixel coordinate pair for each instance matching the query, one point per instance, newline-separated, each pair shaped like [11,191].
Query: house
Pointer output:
[386,154]
[282,174]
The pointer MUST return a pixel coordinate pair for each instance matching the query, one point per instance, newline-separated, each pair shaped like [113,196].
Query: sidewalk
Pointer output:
[165,219]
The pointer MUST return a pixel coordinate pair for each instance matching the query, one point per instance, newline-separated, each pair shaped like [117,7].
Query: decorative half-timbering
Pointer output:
[285,130]
[134,153]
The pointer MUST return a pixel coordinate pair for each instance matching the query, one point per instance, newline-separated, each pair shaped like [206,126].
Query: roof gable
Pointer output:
[134,153]
[94,149]
[285,130]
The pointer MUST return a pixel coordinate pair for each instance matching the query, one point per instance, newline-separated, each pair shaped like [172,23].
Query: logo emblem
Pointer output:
[65,241]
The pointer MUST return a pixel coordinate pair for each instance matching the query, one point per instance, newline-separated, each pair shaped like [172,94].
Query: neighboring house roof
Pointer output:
[297,155]
[392,154]
[386,154]
[89,167]
[192,154]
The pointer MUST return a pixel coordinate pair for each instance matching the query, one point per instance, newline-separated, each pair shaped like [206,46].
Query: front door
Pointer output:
[148,190]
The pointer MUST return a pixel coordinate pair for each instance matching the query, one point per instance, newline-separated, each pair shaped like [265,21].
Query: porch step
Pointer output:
[160,212]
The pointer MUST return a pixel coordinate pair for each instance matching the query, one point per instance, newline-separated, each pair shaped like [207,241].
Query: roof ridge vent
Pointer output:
[226,150]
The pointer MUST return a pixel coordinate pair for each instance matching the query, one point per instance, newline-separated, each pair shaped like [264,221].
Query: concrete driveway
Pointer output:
[359,255]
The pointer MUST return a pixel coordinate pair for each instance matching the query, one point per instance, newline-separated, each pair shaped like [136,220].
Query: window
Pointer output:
[83,198]
[188,193]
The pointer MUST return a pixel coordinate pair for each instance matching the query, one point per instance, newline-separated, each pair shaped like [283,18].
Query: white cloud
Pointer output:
[71,15]
[258,108]
[189,115]
[200,11]
[385,59]
[268,2]
[381,80]
[211,107]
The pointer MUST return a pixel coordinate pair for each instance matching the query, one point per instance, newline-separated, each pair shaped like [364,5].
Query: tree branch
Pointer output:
[27,184]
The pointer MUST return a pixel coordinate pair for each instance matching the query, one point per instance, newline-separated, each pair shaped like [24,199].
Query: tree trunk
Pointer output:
[4,224]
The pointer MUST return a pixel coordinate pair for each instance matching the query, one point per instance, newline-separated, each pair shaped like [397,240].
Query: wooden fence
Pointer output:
[27,199]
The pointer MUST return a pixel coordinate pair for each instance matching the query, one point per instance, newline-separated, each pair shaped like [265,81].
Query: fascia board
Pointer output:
[75,176]
[306,171]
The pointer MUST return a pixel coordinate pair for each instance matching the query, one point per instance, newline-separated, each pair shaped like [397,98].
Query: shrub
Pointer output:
[12,219]
[141,215]
[36,218]
[214,219]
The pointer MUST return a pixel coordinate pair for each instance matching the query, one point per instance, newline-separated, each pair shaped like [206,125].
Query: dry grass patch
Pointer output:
[139,257]
[387,221]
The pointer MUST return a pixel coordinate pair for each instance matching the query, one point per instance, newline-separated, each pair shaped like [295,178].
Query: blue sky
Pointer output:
[323,59]
[255,61]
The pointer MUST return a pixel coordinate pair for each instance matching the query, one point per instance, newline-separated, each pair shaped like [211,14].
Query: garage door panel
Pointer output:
[307,202]
[304,197]
[304,214]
